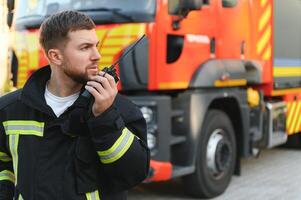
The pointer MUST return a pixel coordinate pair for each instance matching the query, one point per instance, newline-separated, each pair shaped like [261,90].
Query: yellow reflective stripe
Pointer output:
[24,127]
[264,19]
[118,149]
[286,71]
[93,195]
[268,52]
[115,145]
[295,117]
[285,91]
[24,122]
[4,157]
[13,146]
[24,132]
[7,176]
[173,85]
[263,2]
[264,39]
[88,196]
[230,83]
[20,197]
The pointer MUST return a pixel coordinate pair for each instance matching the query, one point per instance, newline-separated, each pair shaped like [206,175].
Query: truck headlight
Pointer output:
[147,114]
[151,141]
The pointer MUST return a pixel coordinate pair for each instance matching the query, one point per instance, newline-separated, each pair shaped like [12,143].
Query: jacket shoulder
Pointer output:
[9,98]
[127,107]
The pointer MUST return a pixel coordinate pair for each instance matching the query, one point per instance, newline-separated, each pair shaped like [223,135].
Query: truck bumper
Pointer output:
[159,171]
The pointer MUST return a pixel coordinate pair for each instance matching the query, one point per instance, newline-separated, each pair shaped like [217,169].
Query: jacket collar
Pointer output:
[34,89]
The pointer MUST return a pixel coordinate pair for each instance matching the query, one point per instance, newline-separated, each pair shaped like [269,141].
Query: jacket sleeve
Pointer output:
[119,135]
[7,177]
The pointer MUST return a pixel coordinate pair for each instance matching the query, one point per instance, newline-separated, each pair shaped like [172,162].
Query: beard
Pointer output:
[76,76]
[79,74]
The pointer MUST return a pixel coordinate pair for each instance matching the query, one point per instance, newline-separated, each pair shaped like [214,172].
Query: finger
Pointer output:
[98,86]
[102,73]
[111,80]
[93,91]
[109,77]
[102,80]
[105,92]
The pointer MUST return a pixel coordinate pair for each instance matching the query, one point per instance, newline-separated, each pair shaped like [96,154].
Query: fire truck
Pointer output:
[216,80]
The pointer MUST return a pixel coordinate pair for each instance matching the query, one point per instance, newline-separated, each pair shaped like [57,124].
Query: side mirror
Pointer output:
[183,7]
[10,5]
[229,3]
[9,19]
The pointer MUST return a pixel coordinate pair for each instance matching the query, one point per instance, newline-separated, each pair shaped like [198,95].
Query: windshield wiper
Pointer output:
[115,11]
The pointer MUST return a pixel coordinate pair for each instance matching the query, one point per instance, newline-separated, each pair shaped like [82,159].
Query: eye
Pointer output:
[84,48]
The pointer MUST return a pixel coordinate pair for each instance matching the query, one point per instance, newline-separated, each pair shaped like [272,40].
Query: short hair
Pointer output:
[54,30]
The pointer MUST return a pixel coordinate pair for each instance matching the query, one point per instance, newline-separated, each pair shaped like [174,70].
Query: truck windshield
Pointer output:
[99,10]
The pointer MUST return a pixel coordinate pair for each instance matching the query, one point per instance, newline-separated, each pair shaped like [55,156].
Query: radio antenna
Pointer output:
[129,50]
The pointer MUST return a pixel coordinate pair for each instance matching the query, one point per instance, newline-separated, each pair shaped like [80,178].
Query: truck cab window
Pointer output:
[173,6]
[206,2]
[229,3]
[30,11]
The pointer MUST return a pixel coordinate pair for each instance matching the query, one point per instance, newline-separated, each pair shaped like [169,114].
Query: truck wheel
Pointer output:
[293,141]
[215,159]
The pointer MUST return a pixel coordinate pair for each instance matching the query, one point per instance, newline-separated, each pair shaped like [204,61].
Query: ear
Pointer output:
[55,56]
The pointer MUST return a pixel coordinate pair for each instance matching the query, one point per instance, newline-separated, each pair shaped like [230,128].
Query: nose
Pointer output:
[95,55]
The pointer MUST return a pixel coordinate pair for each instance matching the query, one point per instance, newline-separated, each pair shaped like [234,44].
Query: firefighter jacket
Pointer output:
[39,161]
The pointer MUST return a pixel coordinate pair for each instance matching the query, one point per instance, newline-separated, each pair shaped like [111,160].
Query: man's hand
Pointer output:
[104,90]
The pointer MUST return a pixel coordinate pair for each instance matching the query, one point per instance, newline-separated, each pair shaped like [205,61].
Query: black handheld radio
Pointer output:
[111,70]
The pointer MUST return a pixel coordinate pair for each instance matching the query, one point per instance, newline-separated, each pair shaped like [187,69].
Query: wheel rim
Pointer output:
[218,153]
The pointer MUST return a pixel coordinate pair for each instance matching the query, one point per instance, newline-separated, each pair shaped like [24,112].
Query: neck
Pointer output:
[61,85]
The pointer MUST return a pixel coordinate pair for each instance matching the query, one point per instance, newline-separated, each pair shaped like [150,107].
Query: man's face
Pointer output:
[81,56]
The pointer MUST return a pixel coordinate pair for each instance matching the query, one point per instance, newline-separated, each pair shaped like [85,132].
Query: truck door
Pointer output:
[183,45]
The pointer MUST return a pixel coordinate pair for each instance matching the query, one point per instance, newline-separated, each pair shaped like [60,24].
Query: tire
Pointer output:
[215,158]
[293,142]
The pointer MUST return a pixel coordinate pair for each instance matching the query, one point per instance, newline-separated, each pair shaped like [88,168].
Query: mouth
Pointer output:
[94,69]
[94,66]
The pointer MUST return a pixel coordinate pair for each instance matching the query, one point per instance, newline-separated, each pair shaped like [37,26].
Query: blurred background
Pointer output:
[218,82]
[4,42]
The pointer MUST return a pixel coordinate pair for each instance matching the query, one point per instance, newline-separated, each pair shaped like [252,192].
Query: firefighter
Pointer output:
[45,154]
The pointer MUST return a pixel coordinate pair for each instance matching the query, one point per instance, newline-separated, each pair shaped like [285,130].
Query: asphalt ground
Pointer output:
[274,175]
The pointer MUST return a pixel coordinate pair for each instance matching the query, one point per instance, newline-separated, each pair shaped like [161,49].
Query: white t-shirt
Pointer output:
[59,104]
